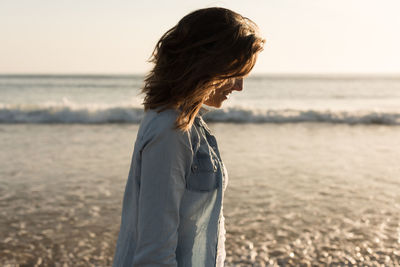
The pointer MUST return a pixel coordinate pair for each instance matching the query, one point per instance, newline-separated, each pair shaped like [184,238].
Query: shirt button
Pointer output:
[194,167]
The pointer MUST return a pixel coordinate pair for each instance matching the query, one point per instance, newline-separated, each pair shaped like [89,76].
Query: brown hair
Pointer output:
[205,48]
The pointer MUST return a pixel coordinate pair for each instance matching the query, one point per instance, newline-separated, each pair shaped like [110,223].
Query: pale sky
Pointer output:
[118,36]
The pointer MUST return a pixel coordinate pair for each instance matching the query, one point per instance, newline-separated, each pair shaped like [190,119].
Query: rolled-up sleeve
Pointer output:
[165,161]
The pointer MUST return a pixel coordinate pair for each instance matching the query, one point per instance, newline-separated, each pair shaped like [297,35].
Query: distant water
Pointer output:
[265,99]
[313,167]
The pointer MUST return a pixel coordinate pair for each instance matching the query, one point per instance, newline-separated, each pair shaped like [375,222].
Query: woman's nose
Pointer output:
[238,86]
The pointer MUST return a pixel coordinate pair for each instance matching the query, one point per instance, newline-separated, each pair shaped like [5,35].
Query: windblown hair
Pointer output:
[202,52]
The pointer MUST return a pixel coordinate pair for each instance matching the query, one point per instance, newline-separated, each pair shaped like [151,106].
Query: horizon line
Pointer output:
[253,75]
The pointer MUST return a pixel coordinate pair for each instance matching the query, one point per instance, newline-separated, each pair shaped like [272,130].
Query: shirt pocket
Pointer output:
[204,174]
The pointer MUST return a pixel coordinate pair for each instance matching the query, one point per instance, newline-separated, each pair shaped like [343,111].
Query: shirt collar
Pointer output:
[199,117]
[203,110]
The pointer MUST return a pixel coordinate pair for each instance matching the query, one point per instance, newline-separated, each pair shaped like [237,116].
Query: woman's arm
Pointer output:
[166,159]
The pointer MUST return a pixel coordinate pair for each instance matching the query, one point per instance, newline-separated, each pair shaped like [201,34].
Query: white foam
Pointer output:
[70,113]
[244,115]
[92,114]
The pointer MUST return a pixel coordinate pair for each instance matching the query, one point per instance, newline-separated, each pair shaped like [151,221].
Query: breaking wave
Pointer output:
[48,114]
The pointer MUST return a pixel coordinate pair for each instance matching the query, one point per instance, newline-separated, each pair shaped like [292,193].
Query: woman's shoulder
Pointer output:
[157,123]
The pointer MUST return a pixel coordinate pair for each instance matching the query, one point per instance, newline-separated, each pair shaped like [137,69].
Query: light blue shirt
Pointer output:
[173,196]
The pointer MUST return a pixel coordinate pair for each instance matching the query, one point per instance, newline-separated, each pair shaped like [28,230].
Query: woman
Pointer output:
[172,206]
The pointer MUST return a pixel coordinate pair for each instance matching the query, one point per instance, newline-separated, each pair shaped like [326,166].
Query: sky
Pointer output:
[118,36]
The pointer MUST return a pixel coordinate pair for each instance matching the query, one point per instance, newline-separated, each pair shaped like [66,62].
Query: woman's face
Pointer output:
[222,93]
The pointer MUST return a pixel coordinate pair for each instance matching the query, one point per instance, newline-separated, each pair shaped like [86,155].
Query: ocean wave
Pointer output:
[240,115]
[48,114]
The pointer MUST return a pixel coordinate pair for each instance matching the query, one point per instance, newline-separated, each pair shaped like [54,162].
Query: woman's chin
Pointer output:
[219,104]
[215,104]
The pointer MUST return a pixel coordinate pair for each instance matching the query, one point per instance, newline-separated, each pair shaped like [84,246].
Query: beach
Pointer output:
[313,175]
[296,194]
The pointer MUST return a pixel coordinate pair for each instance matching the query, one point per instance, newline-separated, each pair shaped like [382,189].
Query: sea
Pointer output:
[313,163]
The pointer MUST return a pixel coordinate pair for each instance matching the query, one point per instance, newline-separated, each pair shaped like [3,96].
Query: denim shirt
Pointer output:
[173,196]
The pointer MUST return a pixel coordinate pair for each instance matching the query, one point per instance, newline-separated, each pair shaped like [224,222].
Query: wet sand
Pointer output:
[298,194]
